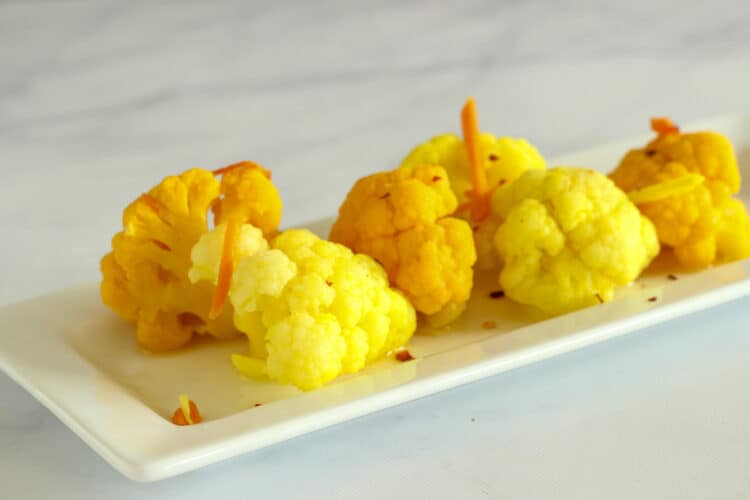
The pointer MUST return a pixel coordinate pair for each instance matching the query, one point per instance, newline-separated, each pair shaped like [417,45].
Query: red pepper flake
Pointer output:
[493,157]
[386,195]
[475,228]
[436,178]
[652,299]
[329,282]
[257,405]
[497,294]
[161,245]
[489,325]
[599,298]
[671,277]
[501,182]
[403,356]
[190,320]
[650,152]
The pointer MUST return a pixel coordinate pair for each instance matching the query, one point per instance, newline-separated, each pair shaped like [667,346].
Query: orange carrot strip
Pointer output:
[187,413]
[249,164]
[479,201]
[664,126]
[225,268]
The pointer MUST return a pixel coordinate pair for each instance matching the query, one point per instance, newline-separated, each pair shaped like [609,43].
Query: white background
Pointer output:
[99,100]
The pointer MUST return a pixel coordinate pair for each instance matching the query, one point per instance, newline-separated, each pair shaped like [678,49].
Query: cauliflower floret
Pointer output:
[249,195]
[476,166]
[697,218]
[504,159]
[568,236]
[400,219]
[206,253]
[313,310]
[145,276]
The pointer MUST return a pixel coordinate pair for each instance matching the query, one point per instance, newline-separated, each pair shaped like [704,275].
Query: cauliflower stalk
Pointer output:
[312,309]
[401,219]
[145,277]
[684,183]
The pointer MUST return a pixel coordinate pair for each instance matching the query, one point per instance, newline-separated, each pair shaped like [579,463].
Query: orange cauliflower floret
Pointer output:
[684,183]
[568,237]
[400,218]
[145,276]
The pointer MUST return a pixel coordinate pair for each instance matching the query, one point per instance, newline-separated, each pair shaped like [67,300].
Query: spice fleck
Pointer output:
[404,355]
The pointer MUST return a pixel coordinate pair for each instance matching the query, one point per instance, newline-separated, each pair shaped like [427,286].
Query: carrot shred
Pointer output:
[479,196]
[225,268]
[187,413]
[664,126]
[248,164]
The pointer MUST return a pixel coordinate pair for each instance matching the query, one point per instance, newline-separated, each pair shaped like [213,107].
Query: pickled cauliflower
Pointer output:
[145,276]
[312,309]
[568,237]
[476,166]
[504,159]
[401,219]
[684,183]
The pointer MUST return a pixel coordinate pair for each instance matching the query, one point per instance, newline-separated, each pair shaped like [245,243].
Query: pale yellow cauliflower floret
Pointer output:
[313,310]
[505,158]
[568,237]
[206,253]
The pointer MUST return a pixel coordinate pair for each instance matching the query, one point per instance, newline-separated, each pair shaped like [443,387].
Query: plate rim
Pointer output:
[181,449]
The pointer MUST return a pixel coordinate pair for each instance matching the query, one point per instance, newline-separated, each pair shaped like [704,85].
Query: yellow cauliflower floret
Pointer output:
[400,218]
[701,224]
[505,159]
[568,237]
[313,310]
[249,195]
[145,276]
[480,158]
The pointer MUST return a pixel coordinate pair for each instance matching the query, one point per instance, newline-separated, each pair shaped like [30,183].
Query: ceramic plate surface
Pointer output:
[81,362]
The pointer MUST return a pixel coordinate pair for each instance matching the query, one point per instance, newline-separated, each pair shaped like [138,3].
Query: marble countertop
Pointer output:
[99,99]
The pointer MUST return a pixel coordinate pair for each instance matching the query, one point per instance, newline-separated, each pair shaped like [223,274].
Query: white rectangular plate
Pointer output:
[81,362]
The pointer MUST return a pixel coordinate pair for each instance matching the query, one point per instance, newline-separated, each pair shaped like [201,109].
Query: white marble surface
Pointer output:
[99,99]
